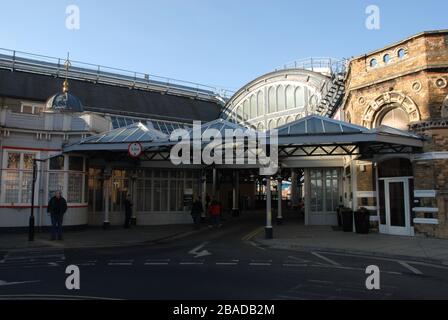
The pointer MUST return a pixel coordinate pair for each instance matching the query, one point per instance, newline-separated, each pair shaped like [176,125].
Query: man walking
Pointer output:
[57,207]
[128,211]
[196,212]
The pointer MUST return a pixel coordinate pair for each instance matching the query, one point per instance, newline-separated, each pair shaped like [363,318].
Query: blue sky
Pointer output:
[216,42]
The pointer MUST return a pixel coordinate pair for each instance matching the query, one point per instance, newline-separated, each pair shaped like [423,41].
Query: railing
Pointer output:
[331,66]
[40,64]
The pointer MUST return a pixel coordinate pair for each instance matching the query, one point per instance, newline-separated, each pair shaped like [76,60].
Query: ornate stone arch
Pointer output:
[395,99]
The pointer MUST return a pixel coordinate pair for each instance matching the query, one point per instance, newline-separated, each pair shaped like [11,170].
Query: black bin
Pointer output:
[347,220]
[362,221]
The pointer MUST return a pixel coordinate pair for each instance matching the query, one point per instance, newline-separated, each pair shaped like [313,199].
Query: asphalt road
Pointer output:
[215,264]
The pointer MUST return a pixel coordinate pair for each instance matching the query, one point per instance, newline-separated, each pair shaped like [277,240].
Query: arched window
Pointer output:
[260,127]
[240,114]
[280,122]
[246,106]
[260,103]
[290,119]
[401,53]
[386,58]
[300,97]
[395,118]
[253,107]
[290,97]
[281,98]
[271,124]
[373,63]
[272,100]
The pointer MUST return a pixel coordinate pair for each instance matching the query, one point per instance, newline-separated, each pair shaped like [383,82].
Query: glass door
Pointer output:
[397,207]
[323,196]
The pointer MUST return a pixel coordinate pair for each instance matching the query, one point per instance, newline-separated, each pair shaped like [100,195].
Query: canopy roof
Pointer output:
[119,139]
[310,136]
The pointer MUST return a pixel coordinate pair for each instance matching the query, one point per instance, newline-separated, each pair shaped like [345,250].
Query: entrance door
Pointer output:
[322,196]
[397,207]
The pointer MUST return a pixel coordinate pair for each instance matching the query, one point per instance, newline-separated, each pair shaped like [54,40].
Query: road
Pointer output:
[215,264]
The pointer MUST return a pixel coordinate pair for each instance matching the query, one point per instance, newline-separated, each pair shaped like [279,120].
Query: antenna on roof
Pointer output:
[67,65]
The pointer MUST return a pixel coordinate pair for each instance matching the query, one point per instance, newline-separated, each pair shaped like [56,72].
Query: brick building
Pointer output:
[404,85]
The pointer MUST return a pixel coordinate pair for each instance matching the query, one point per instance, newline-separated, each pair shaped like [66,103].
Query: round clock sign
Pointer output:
[135,150]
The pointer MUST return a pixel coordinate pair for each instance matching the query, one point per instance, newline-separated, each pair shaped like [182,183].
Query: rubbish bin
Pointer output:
[347,220]
[362,221]
[339,213]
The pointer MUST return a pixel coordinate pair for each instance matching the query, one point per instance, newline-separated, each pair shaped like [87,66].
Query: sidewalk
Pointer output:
[296,236]
[96,237]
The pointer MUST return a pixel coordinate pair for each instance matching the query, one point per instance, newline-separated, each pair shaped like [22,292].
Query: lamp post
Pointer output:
[33,186]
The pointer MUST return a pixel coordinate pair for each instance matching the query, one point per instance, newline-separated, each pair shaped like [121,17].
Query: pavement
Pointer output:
[97,237]
[295,236]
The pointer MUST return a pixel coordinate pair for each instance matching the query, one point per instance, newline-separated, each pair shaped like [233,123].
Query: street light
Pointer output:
[32,221]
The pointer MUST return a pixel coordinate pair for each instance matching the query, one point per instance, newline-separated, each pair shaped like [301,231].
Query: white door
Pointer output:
[397,207]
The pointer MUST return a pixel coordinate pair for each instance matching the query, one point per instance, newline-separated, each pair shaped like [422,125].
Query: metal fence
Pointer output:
[40,64]
[331,66]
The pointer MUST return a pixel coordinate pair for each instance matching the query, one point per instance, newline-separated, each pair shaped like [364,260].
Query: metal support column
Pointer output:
[269,229]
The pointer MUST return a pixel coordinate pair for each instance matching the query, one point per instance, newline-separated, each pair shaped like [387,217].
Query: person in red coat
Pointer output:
[215,213]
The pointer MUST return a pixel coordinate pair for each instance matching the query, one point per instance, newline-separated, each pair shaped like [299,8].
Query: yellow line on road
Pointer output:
[252,234]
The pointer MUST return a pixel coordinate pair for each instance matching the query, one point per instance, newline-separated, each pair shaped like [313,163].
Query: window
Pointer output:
[373,63]
[57,163]
[18,177]
[163,191]
[401,53]
[253,107]
[31,109]
[76,164]
[75,185]
[386,58]
[395,118]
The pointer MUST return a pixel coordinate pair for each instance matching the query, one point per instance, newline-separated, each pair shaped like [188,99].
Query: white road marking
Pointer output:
[425,264]
[292,265]
[260,264]
[120,264]
[156,263]
[325,259]
[321,281]
[226,263]
[256,245]
[5,283]
[198,252]
[409,267]
[191,263]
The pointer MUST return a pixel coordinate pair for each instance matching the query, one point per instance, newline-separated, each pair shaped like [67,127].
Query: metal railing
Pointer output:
[40,64]
[330,66]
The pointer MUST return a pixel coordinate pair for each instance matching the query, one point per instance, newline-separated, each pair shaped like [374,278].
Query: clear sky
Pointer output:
[224,43]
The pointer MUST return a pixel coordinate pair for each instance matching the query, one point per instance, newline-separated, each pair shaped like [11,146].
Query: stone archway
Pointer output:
[395,99]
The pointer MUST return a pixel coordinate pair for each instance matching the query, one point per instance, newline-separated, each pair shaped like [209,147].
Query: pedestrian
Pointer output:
[57,207]
[207,205]
[196,212]
[128,211]
[215,213]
